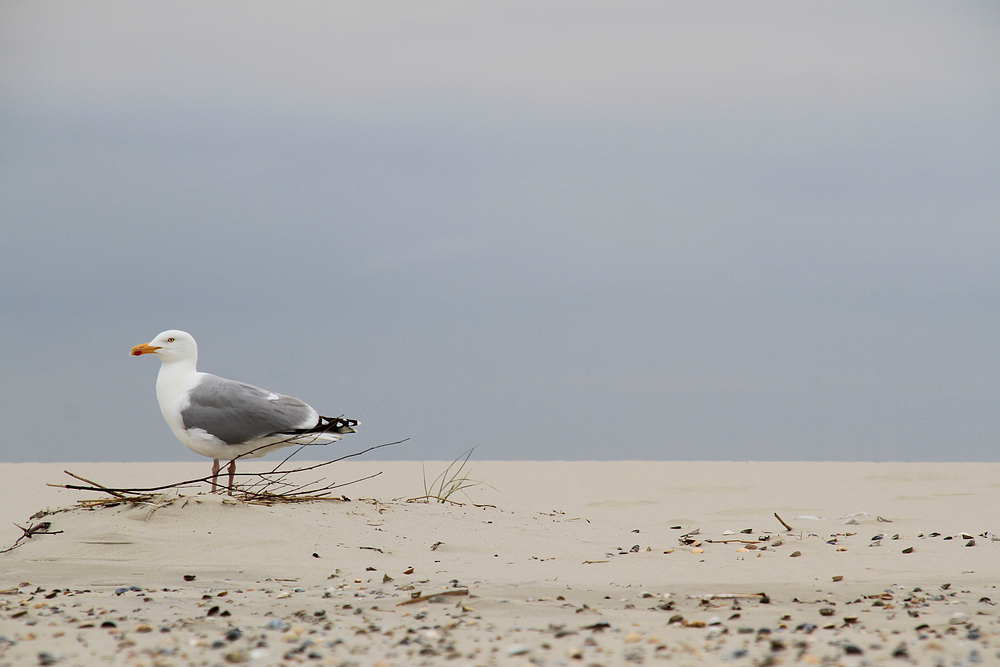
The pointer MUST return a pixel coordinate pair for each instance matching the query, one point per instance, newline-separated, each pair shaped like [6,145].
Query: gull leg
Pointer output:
[215,473]
[232,474]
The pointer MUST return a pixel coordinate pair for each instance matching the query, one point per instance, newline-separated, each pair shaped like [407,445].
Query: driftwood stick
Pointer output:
[734,540]
[84,479]
[787,527]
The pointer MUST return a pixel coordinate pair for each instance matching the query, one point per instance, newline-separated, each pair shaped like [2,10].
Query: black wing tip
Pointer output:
[336,425]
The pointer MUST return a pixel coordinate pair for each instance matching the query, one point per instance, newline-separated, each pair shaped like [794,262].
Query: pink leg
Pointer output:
[215,473]
[232,474]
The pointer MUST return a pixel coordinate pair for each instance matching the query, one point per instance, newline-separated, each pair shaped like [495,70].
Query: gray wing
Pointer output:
[235,412]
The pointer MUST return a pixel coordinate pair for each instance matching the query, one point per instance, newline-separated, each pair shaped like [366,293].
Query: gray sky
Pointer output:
[579,230]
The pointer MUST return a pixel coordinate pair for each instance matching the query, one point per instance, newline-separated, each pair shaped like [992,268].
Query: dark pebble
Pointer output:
[121,591]
[189,577]
[852,649]
[47,659]
[234,634]
[218,644]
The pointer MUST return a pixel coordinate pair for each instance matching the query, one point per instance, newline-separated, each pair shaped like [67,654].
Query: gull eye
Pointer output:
[170,340]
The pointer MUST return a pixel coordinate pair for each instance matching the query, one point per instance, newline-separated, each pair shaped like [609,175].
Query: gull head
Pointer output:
[171,345]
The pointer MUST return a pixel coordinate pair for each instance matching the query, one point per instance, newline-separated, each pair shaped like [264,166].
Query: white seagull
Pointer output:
[225,420]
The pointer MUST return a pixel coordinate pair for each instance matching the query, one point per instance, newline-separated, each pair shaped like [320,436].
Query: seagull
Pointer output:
[224,419]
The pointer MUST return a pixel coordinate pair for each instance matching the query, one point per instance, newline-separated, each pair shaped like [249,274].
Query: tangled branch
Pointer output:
[266,488]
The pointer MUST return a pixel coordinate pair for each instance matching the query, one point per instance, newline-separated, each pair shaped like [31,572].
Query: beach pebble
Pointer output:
[237,656]
[517,649]
[958,618]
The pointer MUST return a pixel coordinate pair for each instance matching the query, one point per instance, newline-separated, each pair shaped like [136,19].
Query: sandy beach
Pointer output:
[548,563]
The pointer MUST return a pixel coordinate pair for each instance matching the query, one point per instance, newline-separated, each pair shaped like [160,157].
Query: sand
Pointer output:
[553,563]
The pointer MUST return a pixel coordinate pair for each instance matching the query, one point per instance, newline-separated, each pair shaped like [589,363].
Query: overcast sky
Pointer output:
[561,230]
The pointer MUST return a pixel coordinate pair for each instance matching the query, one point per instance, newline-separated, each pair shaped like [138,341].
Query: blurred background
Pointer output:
[563,230]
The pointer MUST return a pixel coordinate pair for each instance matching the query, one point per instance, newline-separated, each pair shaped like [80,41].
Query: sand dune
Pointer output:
[552,563]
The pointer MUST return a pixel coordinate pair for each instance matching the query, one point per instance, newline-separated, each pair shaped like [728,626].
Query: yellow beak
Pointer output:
[145,348]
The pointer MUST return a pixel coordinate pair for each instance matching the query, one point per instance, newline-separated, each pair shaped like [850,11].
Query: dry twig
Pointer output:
[269,488]
[29,532]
